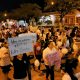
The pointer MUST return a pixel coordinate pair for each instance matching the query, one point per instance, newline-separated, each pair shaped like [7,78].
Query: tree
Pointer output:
[62,6]
[27,11]
[4,15]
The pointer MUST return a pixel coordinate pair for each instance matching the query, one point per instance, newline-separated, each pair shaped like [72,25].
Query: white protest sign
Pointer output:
[33,35]
[20,45]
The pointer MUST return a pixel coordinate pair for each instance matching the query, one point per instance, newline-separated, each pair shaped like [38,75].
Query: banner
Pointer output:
[54,59]
[20,45]
[33,35]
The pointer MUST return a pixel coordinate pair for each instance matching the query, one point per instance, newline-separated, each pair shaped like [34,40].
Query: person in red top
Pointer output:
[37,51]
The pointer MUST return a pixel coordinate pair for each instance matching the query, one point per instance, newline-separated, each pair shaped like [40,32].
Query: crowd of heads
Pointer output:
[64,40]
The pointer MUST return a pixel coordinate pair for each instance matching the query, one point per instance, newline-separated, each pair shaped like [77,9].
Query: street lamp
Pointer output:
[52,3]
[5,14]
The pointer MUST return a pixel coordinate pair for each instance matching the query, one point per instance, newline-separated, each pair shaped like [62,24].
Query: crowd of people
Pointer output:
[56,48]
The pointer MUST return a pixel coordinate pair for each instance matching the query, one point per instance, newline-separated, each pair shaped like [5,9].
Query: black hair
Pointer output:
[72,34]
[2,40]
[38,37]
[50,41]
[14,58]
[69,66]
[47,35]
[57,30]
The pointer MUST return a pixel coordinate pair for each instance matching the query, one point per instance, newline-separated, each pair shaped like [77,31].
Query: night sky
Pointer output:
[9,5]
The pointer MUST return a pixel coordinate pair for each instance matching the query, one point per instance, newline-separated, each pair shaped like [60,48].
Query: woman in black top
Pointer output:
[28,66]
[20,70]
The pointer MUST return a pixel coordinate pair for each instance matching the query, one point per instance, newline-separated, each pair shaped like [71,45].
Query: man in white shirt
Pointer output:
[49,60]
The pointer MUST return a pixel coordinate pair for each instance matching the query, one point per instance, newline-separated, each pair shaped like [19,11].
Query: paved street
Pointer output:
[35,75]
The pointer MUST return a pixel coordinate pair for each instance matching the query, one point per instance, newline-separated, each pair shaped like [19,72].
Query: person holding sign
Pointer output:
[51,58]
[20,70]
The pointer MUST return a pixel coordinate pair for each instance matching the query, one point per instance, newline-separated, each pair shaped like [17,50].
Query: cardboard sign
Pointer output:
[54,59]
[33,35]
[20,45]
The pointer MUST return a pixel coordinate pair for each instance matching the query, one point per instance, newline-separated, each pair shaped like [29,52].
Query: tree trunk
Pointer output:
[61,22]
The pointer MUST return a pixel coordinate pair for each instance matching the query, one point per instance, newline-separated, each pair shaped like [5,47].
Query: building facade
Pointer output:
[71,19]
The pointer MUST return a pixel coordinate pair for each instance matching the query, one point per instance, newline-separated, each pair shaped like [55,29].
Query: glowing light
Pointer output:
[78,15]
[52,3]
[53,18]
[45,19]
[5,14]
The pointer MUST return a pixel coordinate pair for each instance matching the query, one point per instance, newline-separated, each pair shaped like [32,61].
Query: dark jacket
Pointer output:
[20,71]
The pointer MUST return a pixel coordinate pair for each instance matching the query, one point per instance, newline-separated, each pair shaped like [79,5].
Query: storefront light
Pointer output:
[78,15]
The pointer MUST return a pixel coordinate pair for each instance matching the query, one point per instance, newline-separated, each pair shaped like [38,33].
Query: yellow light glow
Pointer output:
[5,14]
[52,3]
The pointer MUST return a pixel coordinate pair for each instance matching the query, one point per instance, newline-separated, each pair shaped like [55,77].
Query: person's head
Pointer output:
[47,35]
[57,30]
[51,44]
[5,44]
[19,56]
[6,35]
[3,50]
[42,38]
[70,54]
[71,67]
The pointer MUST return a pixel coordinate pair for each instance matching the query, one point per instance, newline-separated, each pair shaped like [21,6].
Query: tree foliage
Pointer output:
[27,11]
[63,6]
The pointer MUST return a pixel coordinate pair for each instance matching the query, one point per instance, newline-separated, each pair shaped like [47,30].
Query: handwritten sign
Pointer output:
[54,59]
[33,35]
[20,45]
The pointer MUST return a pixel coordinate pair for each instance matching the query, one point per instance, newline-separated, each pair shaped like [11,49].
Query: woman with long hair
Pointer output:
[71,66]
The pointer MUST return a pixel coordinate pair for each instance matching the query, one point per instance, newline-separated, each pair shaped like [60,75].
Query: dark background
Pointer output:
[9,5]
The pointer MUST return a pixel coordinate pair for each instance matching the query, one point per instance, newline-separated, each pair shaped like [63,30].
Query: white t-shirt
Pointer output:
[67,43]
[67,77]
[78,75]
[79,58]
[46,52]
